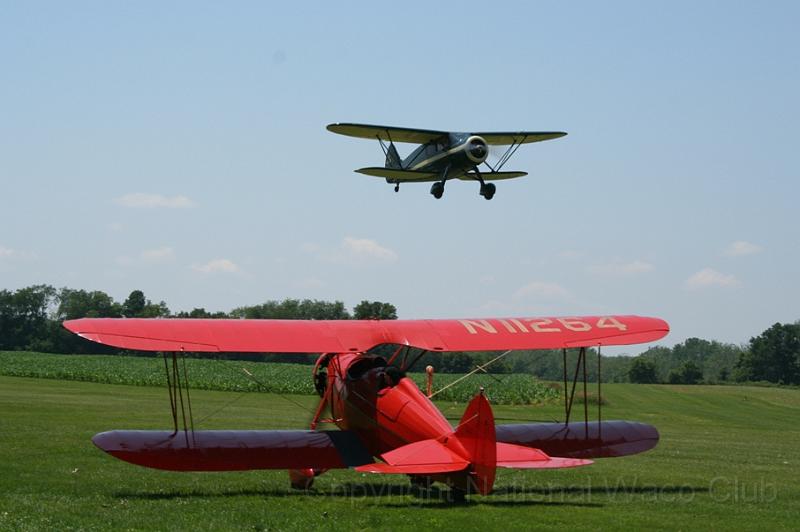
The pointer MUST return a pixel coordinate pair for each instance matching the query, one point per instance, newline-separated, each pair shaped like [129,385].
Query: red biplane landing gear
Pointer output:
[302,479]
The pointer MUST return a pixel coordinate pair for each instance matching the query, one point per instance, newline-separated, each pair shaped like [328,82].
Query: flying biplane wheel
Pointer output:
[488,190]
[397,187]
[437,189]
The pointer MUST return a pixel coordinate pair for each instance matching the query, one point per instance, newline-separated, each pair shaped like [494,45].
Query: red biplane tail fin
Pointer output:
[476,436]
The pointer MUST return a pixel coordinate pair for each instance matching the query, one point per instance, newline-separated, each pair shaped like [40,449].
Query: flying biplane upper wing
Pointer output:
[387,133]
[341,336]
[519,137]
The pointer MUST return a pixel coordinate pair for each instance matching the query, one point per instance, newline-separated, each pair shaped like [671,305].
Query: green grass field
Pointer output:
[728,459]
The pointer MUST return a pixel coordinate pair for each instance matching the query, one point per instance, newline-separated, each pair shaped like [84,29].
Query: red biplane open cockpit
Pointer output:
[380,413]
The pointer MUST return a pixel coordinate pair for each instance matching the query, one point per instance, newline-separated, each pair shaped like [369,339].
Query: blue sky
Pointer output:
[182,150]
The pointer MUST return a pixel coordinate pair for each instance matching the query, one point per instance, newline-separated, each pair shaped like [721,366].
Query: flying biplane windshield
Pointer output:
[442,155]
[380,412]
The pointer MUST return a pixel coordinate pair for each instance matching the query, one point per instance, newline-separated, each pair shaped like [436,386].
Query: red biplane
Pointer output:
[379,411]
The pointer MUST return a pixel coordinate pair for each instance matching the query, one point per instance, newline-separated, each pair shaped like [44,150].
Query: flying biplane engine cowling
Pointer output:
[476,149]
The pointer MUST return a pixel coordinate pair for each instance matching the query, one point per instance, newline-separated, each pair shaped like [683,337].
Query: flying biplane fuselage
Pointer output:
[379,411]
[442,155]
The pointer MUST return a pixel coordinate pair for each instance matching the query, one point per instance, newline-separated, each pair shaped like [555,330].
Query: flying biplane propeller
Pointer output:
[442,155]
[379,411]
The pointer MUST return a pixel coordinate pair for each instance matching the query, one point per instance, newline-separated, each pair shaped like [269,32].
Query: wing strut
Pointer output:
[512,149]
[175,388]
[580,367]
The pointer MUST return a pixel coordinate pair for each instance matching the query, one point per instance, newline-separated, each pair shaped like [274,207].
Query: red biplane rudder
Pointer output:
[476,436]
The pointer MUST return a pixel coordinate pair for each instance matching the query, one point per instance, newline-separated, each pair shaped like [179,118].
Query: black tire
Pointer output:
[457,496]
[437,189]
[488,190]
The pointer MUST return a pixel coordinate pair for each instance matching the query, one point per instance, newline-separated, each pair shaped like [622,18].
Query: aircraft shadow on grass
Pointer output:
[433,497]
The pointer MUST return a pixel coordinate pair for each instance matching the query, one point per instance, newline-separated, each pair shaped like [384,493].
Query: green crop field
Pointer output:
[229,375]
[728,459]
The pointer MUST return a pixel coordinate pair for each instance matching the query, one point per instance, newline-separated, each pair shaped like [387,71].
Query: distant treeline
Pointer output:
[30,319]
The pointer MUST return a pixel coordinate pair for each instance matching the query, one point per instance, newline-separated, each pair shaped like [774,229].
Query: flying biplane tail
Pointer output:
[393,158]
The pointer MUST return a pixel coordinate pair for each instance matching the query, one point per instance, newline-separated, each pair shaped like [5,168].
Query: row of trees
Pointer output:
[30,319]
[773,356]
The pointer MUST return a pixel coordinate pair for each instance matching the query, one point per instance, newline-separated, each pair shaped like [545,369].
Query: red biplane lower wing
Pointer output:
[235,450]
[341,336]
[608,439]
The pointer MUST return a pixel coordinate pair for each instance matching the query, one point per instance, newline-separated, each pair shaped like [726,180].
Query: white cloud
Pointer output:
[140,200]
[742,247]
[710,277]
[162,254]
[159,255]
[352,251]
[15,254]
[217,266]
[364,248]
[538,289]
[622,268]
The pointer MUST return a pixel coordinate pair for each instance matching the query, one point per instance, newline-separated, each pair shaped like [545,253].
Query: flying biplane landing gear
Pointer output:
[397,187]
[488,190]
[437,189]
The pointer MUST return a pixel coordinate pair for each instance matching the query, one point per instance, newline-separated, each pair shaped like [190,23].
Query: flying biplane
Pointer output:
[379,411]
[442,155]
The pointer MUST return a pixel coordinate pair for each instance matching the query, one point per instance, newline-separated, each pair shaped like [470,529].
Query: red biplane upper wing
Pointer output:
[340,336]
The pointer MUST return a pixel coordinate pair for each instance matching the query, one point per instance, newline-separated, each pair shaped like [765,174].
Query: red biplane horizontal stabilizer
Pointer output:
[426,457]
[342,336]
[518,457]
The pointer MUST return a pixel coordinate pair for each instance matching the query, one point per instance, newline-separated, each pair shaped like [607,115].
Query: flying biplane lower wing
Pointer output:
[493,176]
[342,336]
[394,175]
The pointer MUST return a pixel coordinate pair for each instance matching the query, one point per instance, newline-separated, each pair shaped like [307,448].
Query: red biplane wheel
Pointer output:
[301,479]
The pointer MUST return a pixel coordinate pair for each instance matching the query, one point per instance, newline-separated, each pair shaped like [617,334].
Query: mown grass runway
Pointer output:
[728,459]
